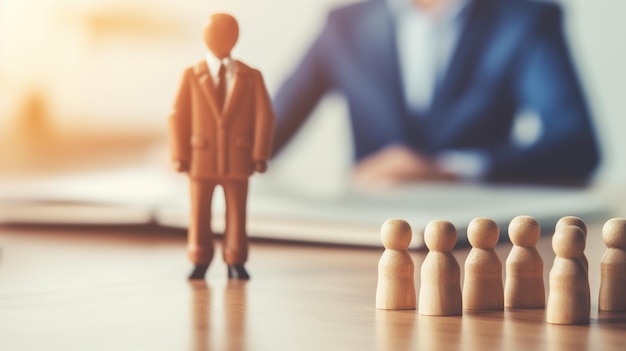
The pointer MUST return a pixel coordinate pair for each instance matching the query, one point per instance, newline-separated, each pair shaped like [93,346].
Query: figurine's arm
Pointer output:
[180,126]
[264,126]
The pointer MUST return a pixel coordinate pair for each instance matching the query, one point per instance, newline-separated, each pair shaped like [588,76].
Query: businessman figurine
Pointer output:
[433,88]
[221,131]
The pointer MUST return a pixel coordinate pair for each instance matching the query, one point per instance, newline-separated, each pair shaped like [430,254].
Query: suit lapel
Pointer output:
[237,89]
[379,47]
[206,85]
[474,36]
[377,53]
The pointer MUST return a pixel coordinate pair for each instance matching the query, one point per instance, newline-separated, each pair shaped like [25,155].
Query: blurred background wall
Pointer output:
[78,74]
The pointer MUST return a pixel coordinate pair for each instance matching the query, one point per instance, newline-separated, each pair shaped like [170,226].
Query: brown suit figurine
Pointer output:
[221,130]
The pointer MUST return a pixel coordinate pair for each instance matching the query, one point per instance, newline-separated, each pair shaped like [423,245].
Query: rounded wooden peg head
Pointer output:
[568,242]
[440,236]
[220,34]
[524,231]
[396,234]
[571,220]
[483,233]
[614,233]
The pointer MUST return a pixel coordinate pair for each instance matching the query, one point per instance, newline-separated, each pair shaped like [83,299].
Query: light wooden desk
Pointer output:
[124,289]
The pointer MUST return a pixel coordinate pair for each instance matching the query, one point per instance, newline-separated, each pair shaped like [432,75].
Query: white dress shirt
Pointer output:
[214,68]
[426,41]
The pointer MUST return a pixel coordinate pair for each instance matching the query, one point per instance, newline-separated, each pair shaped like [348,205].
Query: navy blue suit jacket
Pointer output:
[511,55]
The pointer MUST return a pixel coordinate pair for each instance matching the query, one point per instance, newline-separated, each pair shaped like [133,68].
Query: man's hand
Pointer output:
[181,166]
[260,166]
[397,164]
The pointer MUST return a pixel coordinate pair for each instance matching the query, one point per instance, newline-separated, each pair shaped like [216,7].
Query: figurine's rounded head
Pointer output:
[440,236]
[571,220]
[483,233]
[396,234]
[614,233]
[568,242]
[220,34]
[524,231]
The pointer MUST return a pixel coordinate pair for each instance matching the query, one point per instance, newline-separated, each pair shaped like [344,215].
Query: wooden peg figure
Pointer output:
[577,222]
[482,288]
[568,297]
[612,295]
[440,288]
[396,269]
[524,286]
[221,131]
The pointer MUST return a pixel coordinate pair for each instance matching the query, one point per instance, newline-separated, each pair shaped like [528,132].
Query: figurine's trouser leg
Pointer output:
[235,236]
[200,236]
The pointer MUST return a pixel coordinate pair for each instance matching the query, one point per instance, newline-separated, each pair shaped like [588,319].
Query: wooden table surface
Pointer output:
[125,289]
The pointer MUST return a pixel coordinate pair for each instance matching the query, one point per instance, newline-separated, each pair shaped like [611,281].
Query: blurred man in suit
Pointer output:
[434,86]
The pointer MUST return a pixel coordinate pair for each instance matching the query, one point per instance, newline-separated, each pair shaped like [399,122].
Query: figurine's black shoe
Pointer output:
[199,272]
[237,271]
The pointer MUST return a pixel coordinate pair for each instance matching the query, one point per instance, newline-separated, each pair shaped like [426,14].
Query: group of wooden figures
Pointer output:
[440,291]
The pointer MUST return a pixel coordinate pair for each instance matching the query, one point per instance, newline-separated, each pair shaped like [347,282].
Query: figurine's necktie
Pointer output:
[220,91]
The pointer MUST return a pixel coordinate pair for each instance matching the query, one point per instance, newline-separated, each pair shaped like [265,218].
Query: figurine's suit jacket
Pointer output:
[226,143]
[511,56]
[221,147]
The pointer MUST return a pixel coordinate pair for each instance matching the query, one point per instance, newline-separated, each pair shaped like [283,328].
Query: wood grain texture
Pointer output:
[482,287]
[612,295]
[123,289]
[396,270]
[569,292]
[523,287]
[440,286]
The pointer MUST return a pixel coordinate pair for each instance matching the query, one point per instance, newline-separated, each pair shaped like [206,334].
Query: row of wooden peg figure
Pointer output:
[440,291]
